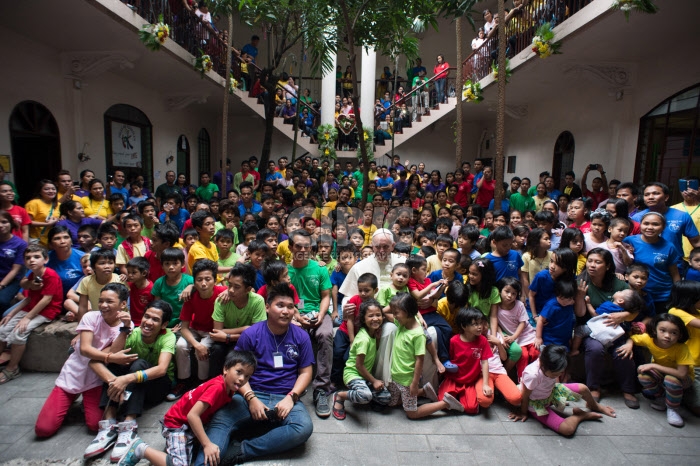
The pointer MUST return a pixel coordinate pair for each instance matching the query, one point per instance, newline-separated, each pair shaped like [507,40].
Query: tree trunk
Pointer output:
[269,82]
[459,80]
[501,109]
[224,117]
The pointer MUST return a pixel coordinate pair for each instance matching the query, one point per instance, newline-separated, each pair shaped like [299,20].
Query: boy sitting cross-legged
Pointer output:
[185,420]
[43,303]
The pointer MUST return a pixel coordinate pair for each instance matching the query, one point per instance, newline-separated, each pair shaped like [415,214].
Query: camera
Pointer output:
[593,166]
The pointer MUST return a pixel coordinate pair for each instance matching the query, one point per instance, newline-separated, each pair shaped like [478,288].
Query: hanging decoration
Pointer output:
[154,35]
[203,64]
[327,135]
[471,91]
[369,144]
[642,6]
[542,43]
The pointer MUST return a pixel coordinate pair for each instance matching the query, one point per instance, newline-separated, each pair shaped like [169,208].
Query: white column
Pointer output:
[328,94]
[367,87]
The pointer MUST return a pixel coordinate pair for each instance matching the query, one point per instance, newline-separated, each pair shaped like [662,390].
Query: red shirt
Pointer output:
[357,301]
[417,203]
[468,356]
[256,176]
[263,292]
[198,311]
[52,286]
[213,392]
[463,193]
[138,301]
[585,227]
[442,69]
[485,193]
[156,271]
[415,285]
[21,218]
[597,197]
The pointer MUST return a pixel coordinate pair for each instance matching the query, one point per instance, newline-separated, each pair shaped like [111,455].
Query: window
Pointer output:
[204,152]
[563,159]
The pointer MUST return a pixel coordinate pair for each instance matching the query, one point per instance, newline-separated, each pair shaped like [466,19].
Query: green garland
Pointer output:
[203,63]
[154,35]
[494,70]
[542,43]
[327,135]
[369,144]
[642,6]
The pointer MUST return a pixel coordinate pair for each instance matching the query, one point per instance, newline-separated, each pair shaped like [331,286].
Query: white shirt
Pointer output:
[369,265]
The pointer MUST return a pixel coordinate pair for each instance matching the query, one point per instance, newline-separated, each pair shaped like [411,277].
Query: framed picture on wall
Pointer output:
[5,163]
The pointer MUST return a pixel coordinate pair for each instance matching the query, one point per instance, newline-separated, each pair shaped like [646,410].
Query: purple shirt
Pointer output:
[434,189]
[74,227]
[296,350]
[11,253]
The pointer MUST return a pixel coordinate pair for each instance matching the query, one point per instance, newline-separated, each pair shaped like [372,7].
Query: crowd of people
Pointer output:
[415,288]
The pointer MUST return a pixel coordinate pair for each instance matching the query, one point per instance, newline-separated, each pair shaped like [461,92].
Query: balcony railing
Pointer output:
[519,33]
[186,29]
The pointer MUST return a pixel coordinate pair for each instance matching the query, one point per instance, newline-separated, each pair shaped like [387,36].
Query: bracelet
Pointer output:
[145,376]
[138,376]
[251,397]
[228,338]
[294,396]
[245,395]
[107,358]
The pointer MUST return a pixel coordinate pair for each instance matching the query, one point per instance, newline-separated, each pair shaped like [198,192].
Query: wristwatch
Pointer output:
[294,396]
[125,329]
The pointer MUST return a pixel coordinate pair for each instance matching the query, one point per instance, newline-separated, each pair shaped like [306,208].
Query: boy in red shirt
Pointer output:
[197,323]
[140,286]
[43,302]
[185,420]
[164,236]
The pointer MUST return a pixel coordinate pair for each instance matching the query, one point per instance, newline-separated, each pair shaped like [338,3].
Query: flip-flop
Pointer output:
[9,375]
[339,414]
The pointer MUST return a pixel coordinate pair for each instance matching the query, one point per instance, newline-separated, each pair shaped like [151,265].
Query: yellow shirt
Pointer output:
[694,212]
[139,251]
[581,264]
[373,175]
[101,208]
[693,342]
[39,211]
[89,287]
[369,231]
[434,263]
[676,355]
[199,251]
[443,308]
[328,207]
[284,252]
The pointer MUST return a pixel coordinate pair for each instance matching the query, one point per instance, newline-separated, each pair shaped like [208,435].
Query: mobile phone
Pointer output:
[682,184]
[110,178]
[593,166]
[38,280]
[693,184]
[76,184]
[272,415]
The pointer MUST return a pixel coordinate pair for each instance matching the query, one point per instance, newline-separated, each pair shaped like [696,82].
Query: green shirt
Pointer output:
[407,345]
[309,282]
[387,293]
[234,317]
[362,344]
[151,353]
[147,232]
[220,226]
[171,294]
[359,176]
[205,193]
[484,305]
[230,261]
[522,203]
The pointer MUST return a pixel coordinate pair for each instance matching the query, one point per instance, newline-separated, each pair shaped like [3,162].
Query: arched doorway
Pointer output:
[203,152]
[183,155]
[563,159]
[128,145]
[35,145]
[669,141]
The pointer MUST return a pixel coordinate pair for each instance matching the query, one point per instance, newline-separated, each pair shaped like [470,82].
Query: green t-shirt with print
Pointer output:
[207,192]
[385,294]
[484,305]
[220,226]
[309,281]
[408,343]
[234,317]
[171,294]
[165,343]
[362,344]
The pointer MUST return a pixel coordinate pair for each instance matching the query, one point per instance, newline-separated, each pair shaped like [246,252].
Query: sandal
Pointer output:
[9,375]
[339,414]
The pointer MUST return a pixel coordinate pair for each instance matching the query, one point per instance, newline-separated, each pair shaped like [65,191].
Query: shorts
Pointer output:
[178,445]
[11,337]
[582,331]
[409,402]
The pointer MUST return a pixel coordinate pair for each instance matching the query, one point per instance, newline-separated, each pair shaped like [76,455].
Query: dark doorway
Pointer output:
[204,153]
[36,147]
[183,155]
[563,160]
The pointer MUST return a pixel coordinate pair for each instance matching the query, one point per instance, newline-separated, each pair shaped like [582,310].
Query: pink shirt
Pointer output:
[76,376]
[510,319]
[495,363]
[539,384]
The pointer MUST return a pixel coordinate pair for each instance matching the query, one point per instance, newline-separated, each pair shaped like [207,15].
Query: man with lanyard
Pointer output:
[678,222]
[271,398]
[217,178]
[166,188]
[691,205]
[313,284]
[247,204]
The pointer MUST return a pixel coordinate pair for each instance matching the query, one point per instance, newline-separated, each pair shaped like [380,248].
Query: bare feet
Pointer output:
[587,415]
[607,410]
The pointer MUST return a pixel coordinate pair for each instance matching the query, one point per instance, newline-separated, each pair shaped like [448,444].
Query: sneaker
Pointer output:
[674,418]
[450,366]
[177,392]
[430,392]
[127,431]
[658,404]
[234,454]
[454,404]
[130,458]
[106,437]
[323,408]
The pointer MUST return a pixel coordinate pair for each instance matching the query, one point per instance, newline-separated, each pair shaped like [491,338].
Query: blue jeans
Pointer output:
[440,89]
[282,436]
[444,333]
[8,294]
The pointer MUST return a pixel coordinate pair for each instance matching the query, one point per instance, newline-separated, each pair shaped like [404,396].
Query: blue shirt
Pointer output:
[437,275]
[381,182]
[692,274]
[69,270]
[273,176]
[678,225]
[250,50]
[542,284]
[337,279]
[74,227]
[508,266]
[560,323]
[180,218]
[658,257]
[122,191]
[11,253]
[259,281]
[505,205]
[256,208]
[477,177]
